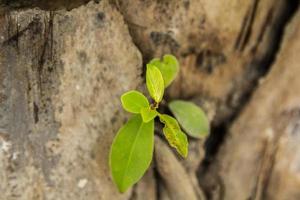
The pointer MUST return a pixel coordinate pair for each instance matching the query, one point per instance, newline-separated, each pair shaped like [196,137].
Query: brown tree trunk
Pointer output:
[64,65]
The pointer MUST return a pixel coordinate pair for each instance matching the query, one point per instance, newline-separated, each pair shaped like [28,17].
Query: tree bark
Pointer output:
[64,65]
[262,145]
[62,75]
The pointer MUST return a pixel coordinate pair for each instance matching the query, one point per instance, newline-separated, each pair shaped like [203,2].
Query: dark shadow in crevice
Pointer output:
[256,69]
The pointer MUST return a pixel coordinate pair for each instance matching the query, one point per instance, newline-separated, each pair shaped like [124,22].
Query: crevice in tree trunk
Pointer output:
[243,37]
[261,69]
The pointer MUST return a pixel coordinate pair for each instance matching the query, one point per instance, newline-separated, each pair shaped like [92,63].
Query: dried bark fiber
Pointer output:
[64,65]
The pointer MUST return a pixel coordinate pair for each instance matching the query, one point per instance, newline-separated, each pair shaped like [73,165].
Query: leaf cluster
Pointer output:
[132,149]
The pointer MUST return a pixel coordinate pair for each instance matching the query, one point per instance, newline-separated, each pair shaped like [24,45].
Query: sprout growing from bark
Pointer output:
[132,149]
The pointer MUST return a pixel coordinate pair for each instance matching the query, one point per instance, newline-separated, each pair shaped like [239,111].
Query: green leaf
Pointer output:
[148,114]
[191,117]
[169,68]
[131,152]
[155,83]
[133,101]
[174,135]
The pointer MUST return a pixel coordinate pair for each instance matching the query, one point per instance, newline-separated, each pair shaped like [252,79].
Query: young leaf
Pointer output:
[169,68]
[155,83]
[131,152]
[191,117]
[148,114]
[133,101]
[174,135]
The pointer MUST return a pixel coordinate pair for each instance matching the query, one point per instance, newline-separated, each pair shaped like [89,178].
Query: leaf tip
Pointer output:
[122,188]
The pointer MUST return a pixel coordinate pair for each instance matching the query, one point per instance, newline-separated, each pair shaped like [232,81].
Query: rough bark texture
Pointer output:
[61,77]
[263,144]
[64,65]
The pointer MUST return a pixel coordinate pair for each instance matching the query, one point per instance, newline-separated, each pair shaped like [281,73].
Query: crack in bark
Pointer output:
[277,23]
[246,29]
[48,38]
[257,69]
[265,169]
[263,30]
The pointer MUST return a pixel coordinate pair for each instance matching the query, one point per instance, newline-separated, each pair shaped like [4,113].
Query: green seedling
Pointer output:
[132,149]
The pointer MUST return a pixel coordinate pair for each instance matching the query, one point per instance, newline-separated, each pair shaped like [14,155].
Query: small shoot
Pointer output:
[148,113]
[132,148]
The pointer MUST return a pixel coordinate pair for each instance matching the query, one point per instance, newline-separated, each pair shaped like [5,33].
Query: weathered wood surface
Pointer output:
[261,156]
[64,64]
[61,77]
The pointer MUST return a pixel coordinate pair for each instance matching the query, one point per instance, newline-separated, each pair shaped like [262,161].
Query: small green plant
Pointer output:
[132,149]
